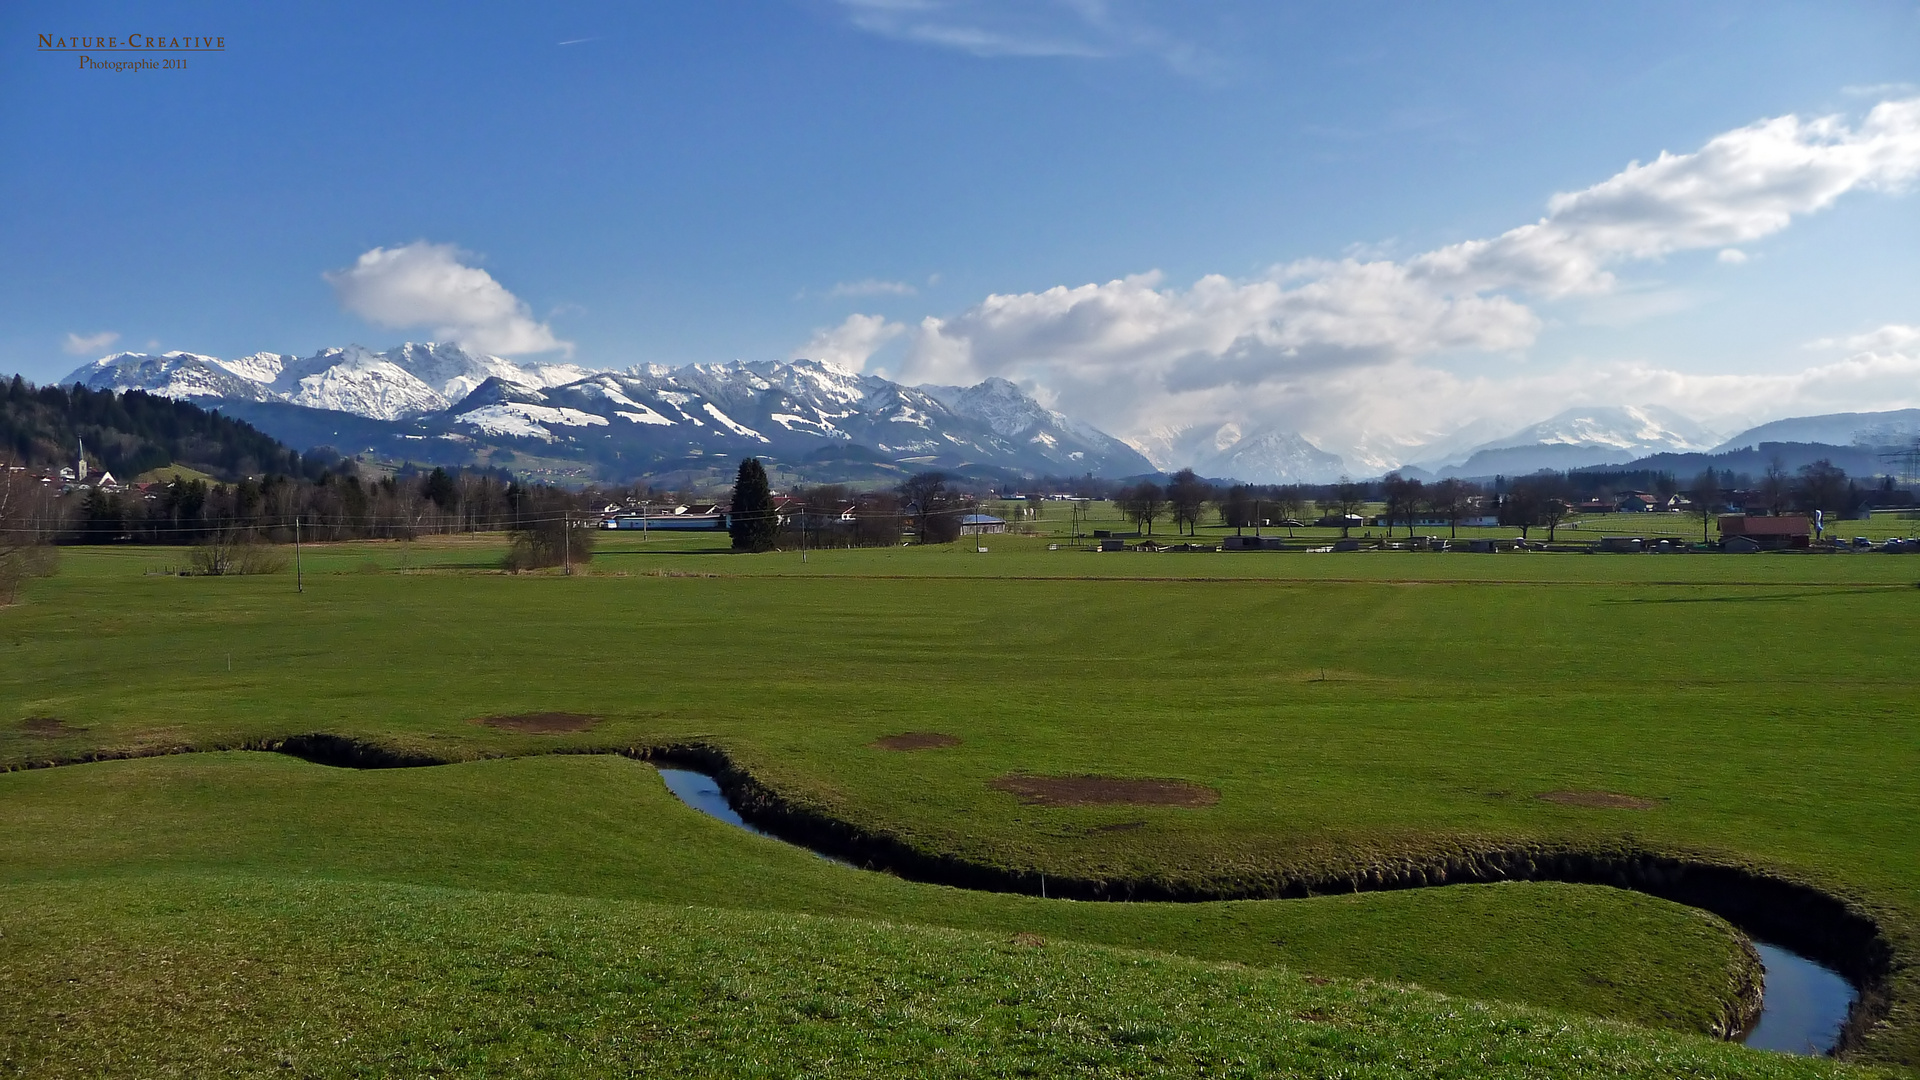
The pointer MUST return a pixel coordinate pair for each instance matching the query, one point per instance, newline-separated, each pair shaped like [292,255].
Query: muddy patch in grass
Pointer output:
[539,723]
[47,727]
[1104,791]
[915,740]
[1598,800]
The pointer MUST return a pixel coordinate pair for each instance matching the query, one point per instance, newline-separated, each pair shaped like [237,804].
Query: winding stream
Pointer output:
[1803,1006]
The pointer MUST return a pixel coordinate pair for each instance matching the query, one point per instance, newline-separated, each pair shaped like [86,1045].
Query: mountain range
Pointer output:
[439,402]
[1576,438]
[1876,429]
[1581,438]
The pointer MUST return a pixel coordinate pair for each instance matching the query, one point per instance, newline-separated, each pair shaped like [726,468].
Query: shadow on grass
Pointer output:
[665,551]
[1758,900]
[1765,598]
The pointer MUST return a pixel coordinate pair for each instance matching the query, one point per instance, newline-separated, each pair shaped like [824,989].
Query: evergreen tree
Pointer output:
[752,522]
[438,488]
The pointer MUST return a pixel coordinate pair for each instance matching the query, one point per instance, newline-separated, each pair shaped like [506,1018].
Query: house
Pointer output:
[1640,502]
[1740,545]
[1785,531]
[676,519]
[981,524]
[1339,521]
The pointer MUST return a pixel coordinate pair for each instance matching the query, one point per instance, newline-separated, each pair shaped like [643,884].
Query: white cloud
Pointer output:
[1892,337]
[1741,186]
[980,29]
[428,285]
[1384,416]
[1314,343]
[88,344]
[872,287]
[1732,256]
[1880,90]
[852,343]
[1083,29]
[1307,317]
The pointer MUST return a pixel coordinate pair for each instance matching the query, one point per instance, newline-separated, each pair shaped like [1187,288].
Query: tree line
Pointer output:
[1543,500]
[838,515]
[129,433]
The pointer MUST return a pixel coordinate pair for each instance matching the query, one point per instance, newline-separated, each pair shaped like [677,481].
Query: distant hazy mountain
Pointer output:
[1263,455]
[1837,429]
[1578,438]
[438,401]
[1010,413]
[1754,460]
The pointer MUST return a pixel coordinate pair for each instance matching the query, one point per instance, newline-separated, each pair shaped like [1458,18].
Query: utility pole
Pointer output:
[299,583]
[566,542]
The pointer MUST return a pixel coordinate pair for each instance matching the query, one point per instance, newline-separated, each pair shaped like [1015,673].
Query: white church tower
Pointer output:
[80,463]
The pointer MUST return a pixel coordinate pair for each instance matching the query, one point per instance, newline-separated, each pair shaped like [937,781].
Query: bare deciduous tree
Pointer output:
[1345,498]
[1188,496]
[28,524]
[1404,498]
[1776,486]
[234,550]
[1142,503]
[1449,499]
[1706,500]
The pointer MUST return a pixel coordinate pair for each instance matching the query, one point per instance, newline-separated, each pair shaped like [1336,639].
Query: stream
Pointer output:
[1804,1004]
[1802,1009]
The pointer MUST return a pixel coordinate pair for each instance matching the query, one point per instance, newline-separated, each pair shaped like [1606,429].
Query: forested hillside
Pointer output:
[129,433]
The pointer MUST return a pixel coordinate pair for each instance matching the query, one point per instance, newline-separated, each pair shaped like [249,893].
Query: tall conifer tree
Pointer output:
[752,522]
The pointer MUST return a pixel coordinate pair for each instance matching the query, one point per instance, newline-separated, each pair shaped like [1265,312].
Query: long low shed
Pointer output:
[674,522]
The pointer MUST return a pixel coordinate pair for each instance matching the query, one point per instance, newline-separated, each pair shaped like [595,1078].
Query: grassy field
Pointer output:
[605,827]
[1351,711]
[217,977]
[1054,521]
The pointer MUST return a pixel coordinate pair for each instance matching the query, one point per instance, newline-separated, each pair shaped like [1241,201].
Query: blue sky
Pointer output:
[1151,215]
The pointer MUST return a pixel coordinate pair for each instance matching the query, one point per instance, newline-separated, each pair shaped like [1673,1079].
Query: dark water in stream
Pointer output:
[702,792]
[1802,1012]
[1805,1004]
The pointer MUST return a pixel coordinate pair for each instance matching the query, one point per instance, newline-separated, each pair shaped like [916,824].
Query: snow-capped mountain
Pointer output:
[1594,435]
[800,405]
[184,375]
[411,380]
[633,420]
[1011,414]
[1264,455]
[1895,428]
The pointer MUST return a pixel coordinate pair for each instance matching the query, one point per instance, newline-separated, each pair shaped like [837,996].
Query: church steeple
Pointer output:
[80,463]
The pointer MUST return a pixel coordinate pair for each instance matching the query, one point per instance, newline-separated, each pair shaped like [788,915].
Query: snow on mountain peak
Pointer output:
[1638,428]
[773,407]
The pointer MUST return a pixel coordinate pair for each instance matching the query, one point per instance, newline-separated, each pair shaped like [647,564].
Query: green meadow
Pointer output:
[526,911]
